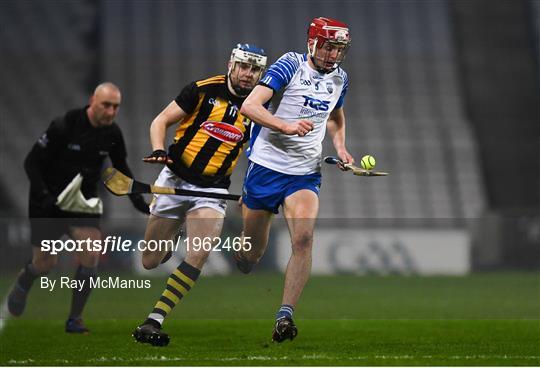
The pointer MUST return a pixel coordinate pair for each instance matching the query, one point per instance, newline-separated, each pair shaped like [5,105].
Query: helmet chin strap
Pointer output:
[320,69]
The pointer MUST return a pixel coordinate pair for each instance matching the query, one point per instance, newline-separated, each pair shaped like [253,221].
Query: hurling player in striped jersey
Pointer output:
[210,136]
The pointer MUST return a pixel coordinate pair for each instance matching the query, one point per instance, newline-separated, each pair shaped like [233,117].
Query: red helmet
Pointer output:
[326,30]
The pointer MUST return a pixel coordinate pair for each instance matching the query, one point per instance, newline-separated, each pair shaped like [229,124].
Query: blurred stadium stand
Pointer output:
[406,105]
[498,55]
[403,105]
[47,65]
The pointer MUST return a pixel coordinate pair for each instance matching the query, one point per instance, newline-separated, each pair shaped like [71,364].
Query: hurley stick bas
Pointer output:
[358,171]
[120,184]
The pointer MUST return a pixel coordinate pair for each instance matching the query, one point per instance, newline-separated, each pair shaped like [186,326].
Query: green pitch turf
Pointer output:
[488,319]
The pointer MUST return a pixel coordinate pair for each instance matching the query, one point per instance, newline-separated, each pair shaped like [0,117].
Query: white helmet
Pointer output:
[249,56]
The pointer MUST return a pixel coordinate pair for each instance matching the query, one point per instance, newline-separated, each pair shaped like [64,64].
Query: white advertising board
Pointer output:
[421,252]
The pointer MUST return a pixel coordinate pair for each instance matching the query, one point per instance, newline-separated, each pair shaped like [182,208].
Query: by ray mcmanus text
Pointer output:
[97,282]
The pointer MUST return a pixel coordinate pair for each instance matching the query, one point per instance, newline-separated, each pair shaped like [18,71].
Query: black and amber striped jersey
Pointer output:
[210,139]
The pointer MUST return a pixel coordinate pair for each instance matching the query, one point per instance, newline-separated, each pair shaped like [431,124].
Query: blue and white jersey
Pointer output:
[306,94]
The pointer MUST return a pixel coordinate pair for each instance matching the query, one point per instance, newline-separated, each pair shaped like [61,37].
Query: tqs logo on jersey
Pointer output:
[222,131]
[316,104]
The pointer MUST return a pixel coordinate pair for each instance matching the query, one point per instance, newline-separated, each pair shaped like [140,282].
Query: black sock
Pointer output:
[27,277]
[80,297]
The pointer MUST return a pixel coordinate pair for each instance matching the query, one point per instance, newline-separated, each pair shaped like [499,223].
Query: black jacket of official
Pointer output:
[71,145]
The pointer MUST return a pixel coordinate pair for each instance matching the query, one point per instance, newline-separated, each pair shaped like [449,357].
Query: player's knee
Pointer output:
[90,259]
[255,254]
[252,257]
[302,242]
[150,261]
[44,265]
[149,264]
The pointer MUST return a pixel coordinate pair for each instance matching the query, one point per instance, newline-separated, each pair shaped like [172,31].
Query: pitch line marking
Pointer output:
[163,358]
[316,356]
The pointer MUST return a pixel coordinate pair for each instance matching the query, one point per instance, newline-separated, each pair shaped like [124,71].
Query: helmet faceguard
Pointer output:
[328,43]
[246,66]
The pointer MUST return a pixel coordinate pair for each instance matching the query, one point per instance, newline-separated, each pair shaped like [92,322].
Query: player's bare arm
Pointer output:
[158,131]
[253,108]
[336,129]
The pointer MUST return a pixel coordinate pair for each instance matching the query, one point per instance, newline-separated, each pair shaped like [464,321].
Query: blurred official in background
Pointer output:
[64,168]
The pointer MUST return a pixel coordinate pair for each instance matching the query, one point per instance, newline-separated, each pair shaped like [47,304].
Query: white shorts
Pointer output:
[175,206]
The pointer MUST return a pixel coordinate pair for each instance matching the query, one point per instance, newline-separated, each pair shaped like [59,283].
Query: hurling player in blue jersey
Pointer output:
[285,153]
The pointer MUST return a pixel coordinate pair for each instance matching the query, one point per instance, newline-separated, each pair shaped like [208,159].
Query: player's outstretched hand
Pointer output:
[299,127]
[158,157]
[345,158]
